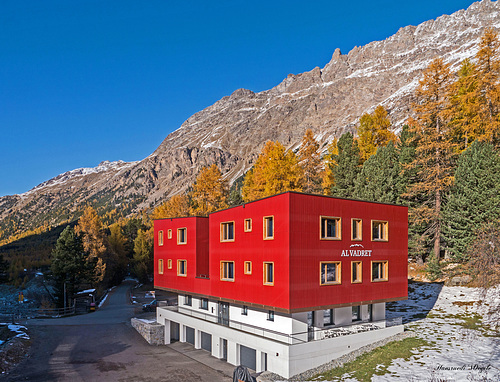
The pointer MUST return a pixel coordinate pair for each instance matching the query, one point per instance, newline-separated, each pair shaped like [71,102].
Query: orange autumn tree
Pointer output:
[328,179]
[175,207]
[210,191]
[488,86]
[373,132]
[91,230]
[433,154]
[310,161]
[276,170]
[475,95]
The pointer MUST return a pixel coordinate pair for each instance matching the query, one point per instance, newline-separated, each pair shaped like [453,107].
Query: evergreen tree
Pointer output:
[484,252]
[434,153]
[474,198]
[210,191]
[310,161]
[176,206]
[347,166]
[378,179]
[116,259]
[276,170]
[143,254]
[373,132]
[71,266]
[90,229]
[406,148]
[235,198]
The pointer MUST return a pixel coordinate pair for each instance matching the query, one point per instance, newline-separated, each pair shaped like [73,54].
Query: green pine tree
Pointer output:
[474,198]
[70,264]
[235,198]
[408,176]
[347,166]
[378,179]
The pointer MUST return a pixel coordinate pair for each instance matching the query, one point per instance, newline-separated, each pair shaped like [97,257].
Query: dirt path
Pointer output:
[102,346]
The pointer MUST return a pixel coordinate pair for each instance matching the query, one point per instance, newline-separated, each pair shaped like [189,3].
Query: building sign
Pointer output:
[352,252]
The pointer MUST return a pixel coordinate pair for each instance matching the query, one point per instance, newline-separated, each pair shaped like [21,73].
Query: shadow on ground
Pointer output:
[421,299]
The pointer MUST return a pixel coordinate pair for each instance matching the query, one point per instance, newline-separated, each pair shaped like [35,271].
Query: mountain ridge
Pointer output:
[231,132]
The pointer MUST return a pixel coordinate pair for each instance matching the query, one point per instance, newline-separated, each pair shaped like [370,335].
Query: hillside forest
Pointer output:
[444,164]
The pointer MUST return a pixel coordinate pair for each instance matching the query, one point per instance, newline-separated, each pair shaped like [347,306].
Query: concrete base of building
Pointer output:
[259,352]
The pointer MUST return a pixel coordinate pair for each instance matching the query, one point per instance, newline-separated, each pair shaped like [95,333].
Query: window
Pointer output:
[204,304]
[169,264]
[248,225]
[248,268]
[244,310]
[379,271]
[329,272]
[330,228]
[356,276]
[356,232]
[268,227]
[181,235]
[188,300]
[380,230]
[227,231]
[328,317]
[268,273]
[356,313]
[160,238]
[160,266]
[227,270]
[181,267]
[270,315]
[169,234]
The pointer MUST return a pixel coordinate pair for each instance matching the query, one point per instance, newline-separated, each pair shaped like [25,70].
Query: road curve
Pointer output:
[102,346]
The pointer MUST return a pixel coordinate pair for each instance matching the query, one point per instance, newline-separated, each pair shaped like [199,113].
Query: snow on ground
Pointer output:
[19,330]
[460,350]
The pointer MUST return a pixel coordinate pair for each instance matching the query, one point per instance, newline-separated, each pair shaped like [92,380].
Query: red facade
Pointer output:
[297,263]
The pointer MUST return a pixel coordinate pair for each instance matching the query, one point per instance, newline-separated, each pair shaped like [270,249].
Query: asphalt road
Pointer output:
[103,346]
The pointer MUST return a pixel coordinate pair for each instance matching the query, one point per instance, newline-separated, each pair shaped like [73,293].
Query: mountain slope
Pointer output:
[232,131]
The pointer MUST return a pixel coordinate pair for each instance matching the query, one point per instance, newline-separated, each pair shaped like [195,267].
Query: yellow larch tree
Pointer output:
[374,131]
[210,191]
[175,207]
[310,161]
[463,109]
[487,91]
[90,229]
[276,170]
[328,179]
[433,154]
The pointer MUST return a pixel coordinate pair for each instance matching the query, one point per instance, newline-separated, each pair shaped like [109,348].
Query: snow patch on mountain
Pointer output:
[84,171]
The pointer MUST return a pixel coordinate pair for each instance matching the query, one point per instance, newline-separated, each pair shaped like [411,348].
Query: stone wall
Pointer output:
[152,331]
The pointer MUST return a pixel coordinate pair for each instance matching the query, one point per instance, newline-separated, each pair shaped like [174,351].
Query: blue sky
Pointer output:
[87,81]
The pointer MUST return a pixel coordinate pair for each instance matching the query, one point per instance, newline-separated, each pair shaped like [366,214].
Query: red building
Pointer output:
[288,254]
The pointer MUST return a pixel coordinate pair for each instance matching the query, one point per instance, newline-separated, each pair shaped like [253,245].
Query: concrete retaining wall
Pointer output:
[152,331]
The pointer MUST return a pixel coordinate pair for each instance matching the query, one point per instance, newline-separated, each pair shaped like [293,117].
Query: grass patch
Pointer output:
[376,361]
[472,321]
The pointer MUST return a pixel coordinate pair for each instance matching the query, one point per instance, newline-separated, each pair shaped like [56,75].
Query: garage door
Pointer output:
[206,341]
[248,357]
[174,331]
[190,335]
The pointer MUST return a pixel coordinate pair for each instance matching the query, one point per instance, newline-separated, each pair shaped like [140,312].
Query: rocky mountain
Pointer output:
[231,132]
